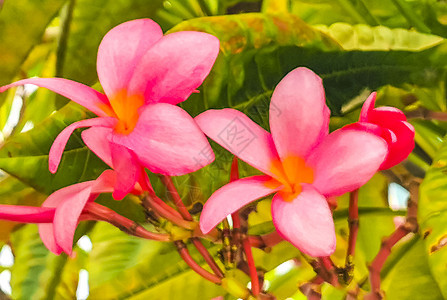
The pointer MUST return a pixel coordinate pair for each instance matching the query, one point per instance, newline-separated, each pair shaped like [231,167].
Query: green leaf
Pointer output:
[411,277]
[141,269]
[432,216]
[39,274]
[26,155]
[22,24]
[380,38]
[258,50]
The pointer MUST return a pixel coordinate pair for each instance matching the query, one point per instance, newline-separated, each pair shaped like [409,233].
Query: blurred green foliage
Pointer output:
[397,47]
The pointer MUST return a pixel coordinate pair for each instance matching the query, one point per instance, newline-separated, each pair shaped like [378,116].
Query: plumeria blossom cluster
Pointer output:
[144,75]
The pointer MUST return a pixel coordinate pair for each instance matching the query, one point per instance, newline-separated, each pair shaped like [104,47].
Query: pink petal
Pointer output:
[46,233]
[104,183]
[386,113]
[121,50]
[299,116]
[67,214]
[345,160]
[26,214]
[367,107]
[174,67]
[166,140]
[97,140]
[59,143]
[127,170]
[72,193]
[233,196]
[306,222]
[401,146]
[75,91]
[241,136]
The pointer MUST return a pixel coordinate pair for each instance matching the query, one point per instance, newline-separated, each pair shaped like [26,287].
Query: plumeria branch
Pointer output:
[410,226]
[312,288]
[103,213]
[265,241]
[246,245]
[167,181]
[353,221]
[426,114]
[186,256]
[152,202]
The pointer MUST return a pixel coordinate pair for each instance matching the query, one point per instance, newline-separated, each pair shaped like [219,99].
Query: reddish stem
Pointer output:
[379,260]
[160,210]
[255,288]
[264,241]
[208,258]
[410,225]
[353,221]
[167,181]
[103,213]
[184,253]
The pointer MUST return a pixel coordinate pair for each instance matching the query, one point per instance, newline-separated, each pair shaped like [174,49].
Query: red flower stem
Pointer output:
[160,210]
[255,287]
[384,252]
[264,241]
[410,225]
[208,258]
[167,181]
[103,213]
[163,205]
[184,253]
[328,269]
[353,222]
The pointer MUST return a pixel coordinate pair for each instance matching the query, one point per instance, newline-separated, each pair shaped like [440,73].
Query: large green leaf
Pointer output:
[411,277]
[22,24]
[380,38]
[432,216]
[26,155]
[259,50]
[140,269]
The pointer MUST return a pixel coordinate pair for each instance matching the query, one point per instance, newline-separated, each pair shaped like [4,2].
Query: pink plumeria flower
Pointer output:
[144,75]
[390,124]
[302,163]
[62,211]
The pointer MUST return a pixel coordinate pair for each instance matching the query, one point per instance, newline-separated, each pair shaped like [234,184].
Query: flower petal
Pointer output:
[241,136]
[68,212]
[55,200]
[166,140]
[75,91]
[299,117]
[233,196]
[26,214]
[46,233]
[59,143]
[368,107]
[104,183]
[97,139]
[121,50]
[401,146]
[345,160]
[127,170]
[306,222]
[174,67]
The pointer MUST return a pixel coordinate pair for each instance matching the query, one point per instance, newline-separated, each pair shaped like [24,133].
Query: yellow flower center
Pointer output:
[291,173]
[125,109]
